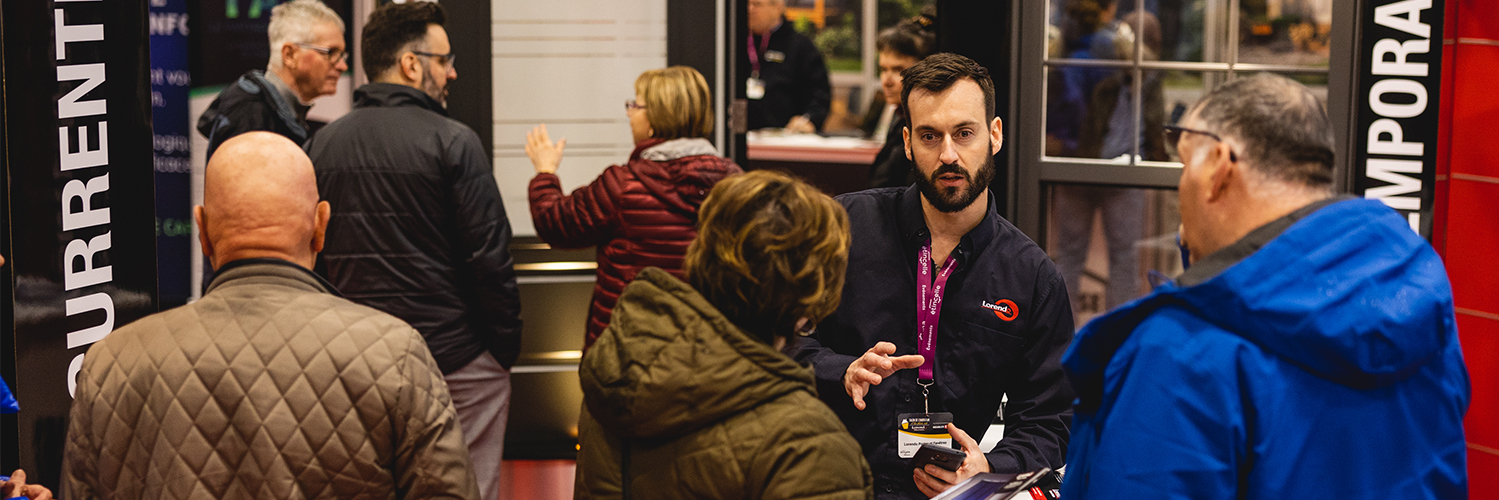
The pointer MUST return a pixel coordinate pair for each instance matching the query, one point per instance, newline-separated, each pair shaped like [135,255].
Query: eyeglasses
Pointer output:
[631,104]
[448,59]
[333,55]
[1174,135]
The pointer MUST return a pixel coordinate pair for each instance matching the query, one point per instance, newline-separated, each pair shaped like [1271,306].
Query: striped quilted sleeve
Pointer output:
[80,467]
[587,217]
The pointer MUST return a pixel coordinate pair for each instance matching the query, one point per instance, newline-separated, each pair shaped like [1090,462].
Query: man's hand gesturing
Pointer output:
[873,367]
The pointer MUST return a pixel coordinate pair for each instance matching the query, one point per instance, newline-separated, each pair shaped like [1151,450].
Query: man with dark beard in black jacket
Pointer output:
[418,228]
[947,308]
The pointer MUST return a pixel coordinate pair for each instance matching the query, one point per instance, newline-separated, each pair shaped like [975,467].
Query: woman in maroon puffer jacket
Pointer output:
[643,213]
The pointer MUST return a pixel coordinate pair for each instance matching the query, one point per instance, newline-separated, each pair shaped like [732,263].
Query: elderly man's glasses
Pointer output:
[448,59]
[333,55]
[1174,135]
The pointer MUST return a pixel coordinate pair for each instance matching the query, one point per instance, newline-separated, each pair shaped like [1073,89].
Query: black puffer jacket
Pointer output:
[250,104]
[418,228]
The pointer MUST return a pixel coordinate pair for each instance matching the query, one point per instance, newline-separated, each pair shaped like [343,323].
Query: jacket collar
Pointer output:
[676,149]
[914,233]
[640,148]
[390,95]
[288,95]
[268,267]
[1217,262]
[260,84]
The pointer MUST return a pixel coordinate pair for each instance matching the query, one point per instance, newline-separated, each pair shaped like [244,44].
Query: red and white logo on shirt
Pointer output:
[1005,309]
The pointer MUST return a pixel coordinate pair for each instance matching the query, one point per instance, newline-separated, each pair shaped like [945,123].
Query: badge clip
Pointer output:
[926,392]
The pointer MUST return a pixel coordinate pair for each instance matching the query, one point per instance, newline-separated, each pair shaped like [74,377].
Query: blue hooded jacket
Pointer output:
[1324,365]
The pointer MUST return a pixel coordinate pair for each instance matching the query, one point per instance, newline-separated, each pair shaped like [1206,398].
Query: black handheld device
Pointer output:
[940,456]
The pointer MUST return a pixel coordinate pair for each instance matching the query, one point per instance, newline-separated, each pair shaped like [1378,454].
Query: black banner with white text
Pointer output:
[78,206]
[1399,80]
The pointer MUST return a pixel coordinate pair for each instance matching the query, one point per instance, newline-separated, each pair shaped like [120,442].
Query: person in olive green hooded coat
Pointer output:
[688,394]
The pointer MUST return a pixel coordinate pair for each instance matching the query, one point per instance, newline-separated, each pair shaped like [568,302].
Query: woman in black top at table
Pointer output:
[900,47]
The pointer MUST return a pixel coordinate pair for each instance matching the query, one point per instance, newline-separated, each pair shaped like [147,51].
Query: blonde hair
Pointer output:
[676,102]
[770,250]
[293,22]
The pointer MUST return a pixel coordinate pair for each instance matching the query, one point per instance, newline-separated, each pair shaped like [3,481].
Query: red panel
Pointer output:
[1449,20]
[1480,340]
[1483,475]
[1475,109]
[1472,237]
[1440,211]
[1477,19]
[1440,216]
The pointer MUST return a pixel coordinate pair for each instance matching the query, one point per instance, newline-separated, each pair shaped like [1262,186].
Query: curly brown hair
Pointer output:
[770,251]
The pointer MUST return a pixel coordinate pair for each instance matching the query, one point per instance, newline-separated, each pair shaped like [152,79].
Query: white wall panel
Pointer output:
[570,64]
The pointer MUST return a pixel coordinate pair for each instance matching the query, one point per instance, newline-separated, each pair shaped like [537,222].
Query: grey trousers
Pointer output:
[1123,225]
[481,394]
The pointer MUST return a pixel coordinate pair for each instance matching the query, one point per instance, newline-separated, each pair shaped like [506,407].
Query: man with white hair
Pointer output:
[307,58]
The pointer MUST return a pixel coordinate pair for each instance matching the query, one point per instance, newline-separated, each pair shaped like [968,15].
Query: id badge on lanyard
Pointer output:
[916,429]
[754,87]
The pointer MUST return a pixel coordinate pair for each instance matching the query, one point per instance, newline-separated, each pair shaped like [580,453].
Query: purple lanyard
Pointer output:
[754,56]
[929,309]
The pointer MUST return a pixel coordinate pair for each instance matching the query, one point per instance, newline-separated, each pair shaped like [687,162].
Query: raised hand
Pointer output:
[872,368]
[545,155]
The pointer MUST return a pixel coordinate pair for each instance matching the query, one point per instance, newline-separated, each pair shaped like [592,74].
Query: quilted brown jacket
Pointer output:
[270,386]
[681,404]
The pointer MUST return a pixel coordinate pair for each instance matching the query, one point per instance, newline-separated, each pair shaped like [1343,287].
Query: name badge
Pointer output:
[916,429]
[775,56]
[754,88]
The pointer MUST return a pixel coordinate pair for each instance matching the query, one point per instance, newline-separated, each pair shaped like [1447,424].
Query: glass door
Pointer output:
[1098,81]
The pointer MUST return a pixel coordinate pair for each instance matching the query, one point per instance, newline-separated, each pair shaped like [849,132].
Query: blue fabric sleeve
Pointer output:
[8,400]
[1174,421]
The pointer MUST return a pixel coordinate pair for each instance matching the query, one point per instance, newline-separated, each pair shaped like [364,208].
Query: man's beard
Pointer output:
[431,88]
[953,199]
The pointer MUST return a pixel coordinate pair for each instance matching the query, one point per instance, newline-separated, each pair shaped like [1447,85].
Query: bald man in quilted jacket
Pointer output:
[271,386]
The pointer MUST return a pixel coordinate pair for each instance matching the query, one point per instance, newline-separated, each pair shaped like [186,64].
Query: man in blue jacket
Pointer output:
[974,308]
[1309,351]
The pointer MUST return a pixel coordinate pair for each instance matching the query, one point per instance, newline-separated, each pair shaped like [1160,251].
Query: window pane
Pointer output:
[1182,89]
[1285,32]
[835,28]
[1084,29]
[1172,30]
[1190,30]
[1089,113]
[1315,82]
[1108,241]
[1092,112]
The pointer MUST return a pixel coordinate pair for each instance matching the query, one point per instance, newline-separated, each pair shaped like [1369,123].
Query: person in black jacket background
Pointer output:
[901,46]
[418,228]
[1002,318]
[307,58]
[788,85]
